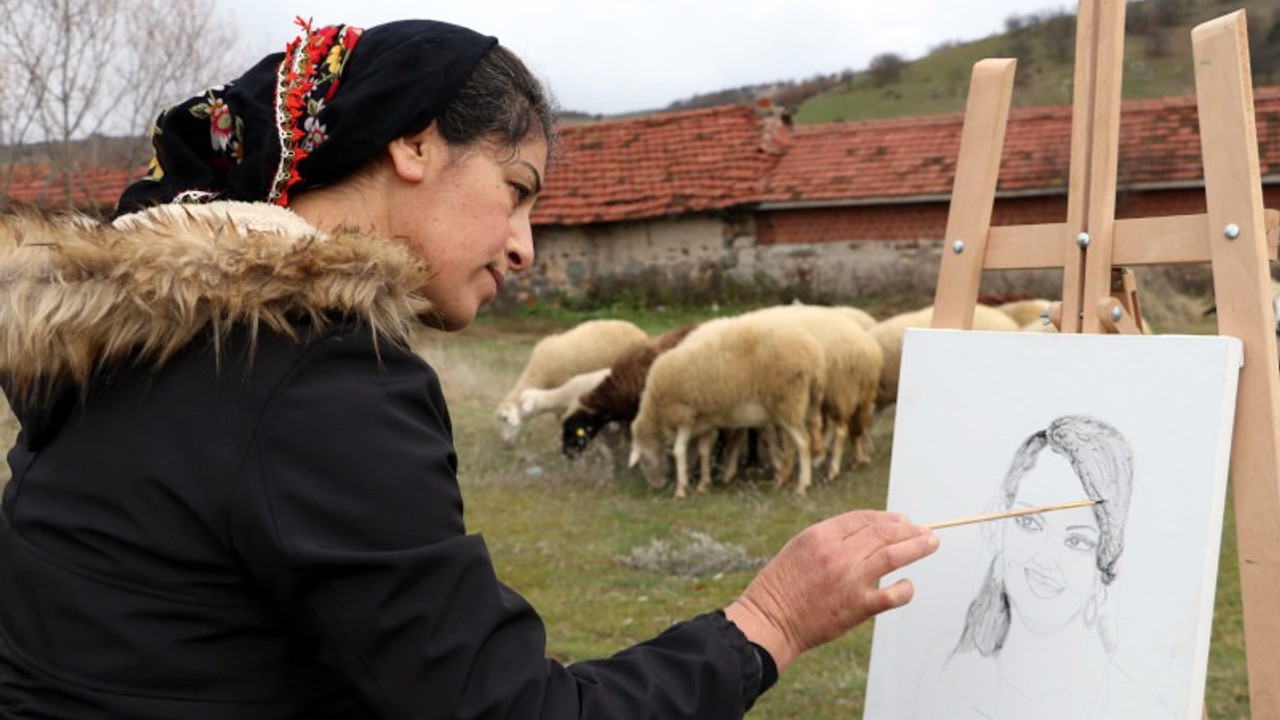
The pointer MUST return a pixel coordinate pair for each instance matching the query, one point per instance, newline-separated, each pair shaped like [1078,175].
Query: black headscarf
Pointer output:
[308,116]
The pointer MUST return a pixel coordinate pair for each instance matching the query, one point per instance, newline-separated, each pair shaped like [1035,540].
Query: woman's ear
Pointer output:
[411,155]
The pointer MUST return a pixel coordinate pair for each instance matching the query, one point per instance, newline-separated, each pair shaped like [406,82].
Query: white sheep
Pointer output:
[864,319]
[1025,312]
[591,345]
[536,401]
[729,373]
[889,334]
[854,362]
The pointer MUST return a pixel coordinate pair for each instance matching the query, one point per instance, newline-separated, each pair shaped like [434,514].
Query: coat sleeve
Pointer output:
[348,513]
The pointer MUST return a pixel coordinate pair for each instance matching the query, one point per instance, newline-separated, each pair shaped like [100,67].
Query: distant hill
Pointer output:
[1158,63]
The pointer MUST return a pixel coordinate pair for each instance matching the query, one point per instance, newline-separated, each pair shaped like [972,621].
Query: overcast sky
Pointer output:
[615,56]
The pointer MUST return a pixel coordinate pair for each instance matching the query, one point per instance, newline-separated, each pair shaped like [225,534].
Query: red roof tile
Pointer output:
[728,156]
[92,188]
[713,159]
[658,165]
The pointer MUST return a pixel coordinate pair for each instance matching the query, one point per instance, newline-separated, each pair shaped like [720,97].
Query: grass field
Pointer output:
[599,553]
[559,532]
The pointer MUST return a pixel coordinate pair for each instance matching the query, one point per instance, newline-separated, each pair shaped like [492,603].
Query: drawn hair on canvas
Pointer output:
[1035,640]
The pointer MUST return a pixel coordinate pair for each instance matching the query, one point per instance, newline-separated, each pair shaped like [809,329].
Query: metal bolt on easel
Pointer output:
[1083,239]
[1231,231]
[957,247]
[1116,314]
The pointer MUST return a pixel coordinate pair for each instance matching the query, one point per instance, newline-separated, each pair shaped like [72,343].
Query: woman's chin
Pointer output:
[447,322]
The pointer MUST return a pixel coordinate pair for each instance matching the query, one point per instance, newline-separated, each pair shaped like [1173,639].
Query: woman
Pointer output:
[1043,601]
[234,494]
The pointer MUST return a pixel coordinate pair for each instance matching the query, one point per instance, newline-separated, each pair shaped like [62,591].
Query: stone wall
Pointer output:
[842,253]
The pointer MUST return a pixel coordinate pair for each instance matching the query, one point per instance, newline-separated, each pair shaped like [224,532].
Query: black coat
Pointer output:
[270,526]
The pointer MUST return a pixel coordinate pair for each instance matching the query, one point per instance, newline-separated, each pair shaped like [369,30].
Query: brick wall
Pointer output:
[921,221]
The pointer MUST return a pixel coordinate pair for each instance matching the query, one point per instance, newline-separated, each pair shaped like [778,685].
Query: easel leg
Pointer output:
[1242,282]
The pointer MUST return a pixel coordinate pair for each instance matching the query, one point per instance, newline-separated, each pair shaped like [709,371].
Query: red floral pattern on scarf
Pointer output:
[309,76]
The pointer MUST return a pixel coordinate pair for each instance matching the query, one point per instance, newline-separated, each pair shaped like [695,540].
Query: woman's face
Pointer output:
[1050,559]
[468,218]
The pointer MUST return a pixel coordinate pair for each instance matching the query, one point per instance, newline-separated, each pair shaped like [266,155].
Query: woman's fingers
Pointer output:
[825,580]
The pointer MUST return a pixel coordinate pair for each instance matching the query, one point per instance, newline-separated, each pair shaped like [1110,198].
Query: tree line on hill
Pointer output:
[1033,38]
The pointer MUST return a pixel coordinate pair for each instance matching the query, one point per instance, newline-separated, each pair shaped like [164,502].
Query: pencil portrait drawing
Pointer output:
[1044,591]
[1099,605]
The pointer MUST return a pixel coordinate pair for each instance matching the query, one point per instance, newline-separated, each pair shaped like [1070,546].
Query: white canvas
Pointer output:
[1076,646]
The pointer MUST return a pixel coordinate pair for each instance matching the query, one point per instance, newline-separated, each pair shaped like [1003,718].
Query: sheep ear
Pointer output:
[635,457]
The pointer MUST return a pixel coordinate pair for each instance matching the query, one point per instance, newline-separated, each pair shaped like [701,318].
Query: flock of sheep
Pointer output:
[808,378]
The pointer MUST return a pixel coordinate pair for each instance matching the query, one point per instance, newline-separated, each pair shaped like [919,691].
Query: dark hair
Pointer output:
[501,99]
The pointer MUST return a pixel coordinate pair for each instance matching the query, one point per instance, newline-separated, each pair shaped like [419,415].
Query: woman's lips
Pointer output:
[498,279]
[1043,586]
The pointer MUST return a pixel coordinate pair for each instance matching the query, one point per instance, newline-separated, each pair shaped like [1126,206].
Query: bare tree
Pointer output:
[84,69]
[196,52]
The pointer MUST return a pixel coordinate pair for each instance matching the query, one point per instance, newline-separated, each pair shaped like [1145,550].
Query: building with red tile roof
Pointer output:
[738,189]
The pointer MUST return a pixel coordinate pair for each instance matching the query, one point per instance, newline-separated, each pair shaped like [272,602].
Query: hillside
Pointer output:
[1158,62]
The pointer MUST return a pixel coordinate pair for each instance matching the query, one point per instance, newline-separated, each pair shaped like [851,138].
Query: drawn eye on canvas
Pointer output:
[1045,589]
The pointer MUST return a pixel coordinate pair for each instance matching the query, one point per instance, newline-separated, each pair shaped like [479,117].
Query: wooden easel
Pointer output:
[1237,235]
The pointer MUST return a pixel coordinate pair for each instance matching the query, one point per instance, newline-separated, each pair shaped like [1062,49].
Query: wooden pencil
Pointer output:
[1012,513]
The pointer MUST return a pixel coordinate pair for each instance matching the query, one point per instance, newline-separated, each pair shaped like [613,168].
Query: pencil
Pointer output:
[1012,513]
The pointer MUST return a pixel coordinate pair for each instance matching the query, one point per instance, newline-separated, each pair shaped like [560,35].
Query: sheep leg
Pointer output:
[818,449]
[801,439]
[705,442]
[860,431]
[787,452]
[737,439]
[839,431]
[777,453]
[681,450]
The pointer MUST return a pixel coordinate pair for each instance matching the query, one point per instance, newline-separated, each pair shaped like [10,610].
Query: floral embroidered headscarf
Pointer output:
[308,116]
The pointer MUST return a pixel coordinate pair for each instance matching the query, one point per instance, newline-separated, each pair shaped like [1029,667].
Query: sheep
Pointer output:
[730,373]
[1025,312]
[536,401]
[854,362]
[889,334]
[864,319]
[617,398]
[591,345]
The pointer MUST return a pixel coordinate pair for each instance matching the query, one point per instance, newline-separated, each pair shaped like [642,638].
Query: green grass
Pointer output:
[558,530]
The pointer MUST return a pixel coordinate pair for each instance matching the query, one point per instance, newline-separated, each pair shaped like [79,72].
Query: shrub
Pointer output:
[697,554]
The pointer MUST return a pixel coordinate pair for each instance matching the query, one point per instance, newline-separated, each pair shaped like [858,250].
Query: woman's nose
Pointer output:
[520,247]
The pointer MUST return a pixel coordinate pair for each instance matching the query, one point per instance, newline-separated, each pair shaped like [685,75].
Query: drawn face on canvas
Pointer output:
[1050,560]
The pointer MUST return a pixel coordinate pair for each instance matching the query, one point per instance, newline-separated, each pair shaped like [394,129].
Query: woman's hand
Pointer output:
[825,581]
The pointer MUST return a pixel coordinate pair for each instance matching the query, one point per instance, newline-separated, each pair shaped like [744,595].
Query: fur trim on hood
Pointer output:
[76,295]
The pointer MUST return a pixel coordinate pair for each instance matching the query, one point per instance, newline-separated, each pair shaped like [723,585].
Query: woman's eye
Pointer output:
[1078,542]
[1028,522]
[522,192]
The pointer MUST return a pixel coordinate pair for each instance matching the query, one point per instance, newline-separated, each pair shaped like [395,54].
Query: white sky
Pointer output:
[615,56]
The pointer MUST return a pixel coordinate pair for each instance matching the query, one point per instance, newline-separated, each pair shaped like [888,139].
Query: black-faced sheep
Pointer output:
[591,345]
[730,373]
[889,334]
[616,399]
